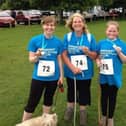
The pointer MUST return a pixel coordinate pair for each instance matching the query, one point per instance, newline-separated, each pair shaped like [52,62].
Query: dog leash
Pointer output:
[75,99]
[60,88]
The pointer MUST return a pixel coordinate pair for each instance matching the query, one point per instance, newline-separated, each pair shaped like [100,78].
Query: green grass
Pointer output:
[15,76]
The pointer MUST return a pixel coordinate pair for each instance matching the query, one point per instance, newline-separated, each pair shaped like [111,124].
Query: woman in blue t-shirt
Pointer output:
[111,55]
[78,55]
[45,52]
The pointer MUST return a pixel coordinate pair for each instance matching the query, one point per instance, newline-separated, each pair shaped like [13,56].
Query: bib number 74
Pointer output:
[80,61]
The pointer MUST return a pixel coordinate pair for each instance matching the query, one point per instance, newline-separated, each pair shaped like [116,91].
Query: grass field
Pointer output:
[15,76]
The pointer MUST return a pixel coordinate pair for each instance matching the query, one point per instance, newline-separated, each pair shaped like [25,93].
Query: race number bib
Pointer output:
[46,68]
[107,67]
[80,61]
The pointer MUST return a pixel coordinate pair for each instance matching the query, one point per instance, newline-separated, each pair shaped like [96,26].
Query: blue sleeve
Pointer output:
[98,47]
[65,43]
[31,45]
[124,48]
[60,47]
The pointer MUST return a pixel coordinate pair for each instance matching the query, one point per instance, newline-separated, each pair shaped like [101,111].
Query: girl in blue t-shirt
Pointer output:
[111,55]
[78,55]
[45,52]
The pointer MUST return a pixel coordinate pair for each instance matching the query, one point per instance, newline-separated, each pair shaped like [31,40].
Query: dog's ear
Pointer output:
[54,117]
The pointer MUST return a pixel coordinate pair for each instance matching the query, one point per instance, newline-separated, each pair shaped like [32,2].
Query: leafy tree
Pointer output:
[59,5]
[119,3]
[42,4]
[105,3]
[15,4]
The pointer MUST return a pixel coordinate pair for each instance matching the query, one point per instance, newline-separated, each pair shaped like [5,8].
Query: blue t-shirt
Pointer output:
[105,49]
[51,48]
[73,47]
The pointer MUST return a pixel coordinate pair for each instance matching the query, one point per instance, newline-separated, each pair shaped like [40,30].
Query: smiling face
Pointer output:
[112,31]
[49,28]
[48,25]
[77,24]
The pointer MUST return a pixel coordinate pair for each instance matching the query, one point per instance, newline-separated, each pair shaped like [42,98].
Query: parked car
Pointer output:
[35,16]
[113,13]
[27,17]
[98,12]
[35,12]
[48,13]
[87,15]
[6,20]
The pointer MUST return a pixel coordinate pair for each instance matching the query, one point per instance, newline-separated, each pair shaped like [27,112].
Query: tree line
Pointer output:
[59,4]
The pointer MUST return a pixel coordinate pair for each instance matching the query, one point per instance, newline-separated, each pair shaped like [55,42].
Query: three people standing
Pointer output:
[78,52]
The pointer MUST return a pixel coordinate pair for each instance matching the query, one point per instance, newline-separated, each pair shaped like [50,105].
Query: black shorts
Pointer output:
[36,91]
[83,91]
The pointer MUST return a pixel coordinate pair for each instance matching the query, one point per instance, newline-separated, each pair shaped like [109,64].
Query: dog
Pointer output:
[44,120]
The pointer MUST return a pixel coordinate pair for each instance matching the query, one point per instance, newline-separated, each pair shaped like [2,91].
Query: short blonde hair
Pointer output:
[48,19]
[113,23]
[70,21]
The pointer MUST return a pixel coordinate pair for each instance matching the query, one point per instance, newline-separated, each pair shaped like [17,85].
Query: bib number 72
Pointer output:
[46,68]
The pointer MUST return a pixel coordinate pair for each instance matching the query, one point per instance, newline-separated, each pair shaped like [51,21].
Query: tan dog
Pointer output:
[44,120]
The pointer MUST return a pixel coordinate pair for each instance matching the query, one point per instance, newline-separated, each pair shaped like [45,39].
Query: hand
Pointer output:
[98,62]
[85,49]
[60,81]
[60,84]
[38,52]
[118,49]
[76,70]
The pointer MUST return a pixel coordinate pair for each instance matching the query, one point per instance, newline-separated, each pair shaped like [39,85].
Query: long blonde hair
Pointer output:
[70,21]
